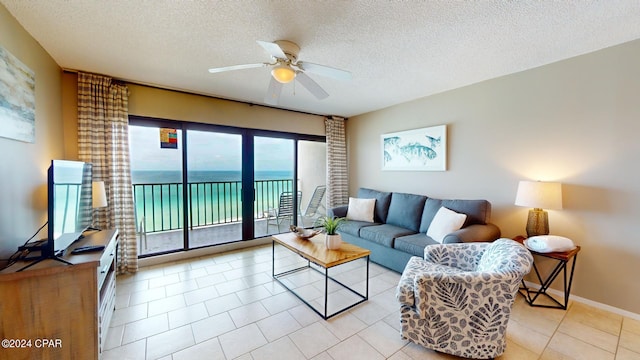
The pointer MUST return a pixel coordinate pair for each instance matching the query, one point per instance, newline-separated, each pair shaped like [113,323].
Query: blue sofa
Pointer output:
[402,220]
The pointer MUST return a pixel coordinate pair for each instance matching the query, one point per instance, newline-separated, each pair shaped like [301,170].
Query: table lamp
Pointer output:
[98,197]
[539,195]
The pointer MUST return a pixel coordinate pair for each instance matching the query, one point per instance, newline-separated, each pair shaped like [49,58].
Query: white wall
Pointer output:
[575,121]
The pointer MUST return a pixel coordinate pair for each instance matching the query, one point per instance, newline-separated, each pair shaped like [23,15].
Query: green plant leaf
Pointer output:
[330,224]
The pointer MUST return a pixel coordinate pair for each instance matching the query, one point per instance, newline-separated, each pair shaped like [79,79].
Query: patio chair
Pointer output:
[315,204]
[284,210]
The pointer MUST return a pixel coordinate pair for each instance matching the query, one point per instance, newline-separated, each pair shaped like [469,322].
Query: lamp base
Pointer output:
[537,223]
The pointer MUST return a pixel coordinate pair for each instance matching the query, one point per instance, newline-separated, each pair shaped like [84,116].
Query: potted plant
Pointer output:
[330,225]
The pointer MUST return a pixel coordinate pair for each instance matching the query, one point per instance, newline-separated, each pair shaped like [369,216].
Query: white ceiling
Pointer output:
[396,50]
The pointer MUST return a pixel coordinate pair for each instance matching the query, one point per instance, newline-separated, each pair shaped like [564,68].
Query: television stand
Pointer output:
[43,258]
[49,300]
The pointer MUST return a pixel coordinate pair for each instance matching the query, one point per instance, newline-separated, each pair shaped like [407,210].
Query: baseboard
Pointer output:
[582,300]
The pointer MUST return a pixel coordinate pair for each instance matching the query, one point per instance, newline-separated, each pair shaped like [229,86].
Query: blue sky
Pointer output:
[207,151]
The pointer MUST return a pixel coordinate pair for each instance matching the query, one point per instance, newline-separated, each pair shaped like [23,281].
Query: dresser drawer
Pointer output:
[107,260]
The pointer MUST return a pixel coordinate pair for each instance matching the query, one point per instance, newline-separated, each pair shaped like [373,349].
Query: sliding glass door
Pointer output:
[312,180]
[220,184]
[156,173]
[214,180]
[275,203]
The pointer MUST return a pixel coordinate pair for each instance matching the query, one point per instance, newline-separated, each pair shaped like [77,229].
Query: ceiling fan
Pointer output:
[287,67]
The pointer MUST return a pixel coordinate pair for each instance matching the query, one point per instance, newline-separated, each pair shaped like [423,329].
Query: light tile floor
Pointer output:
[227,306]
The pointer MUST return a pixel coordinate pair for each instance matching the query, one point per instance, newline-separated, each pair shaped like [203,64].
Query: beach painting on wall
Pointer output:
[17,99]
[415,150]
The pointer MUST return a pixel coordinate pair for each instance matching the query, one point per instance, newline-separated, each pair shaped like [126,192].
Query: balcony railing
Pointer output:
[209,203]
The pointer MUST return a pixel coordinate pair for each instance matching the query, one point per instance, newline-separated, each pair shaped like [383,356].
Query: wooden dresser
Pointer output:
[57,311]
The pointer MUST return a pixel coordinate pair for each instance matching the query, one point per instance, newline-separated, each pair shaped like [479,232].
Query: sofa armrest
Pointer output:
[473,233]
[339,211]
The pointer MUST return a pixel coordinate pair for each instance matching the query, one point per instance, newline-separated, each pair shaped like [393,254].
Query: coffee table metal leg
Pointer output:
[367,281]
[325,316]
[326,291]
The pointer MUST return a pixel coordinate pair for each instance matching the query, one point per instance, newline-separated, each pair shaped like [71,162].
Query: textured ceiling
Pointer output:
[396,50]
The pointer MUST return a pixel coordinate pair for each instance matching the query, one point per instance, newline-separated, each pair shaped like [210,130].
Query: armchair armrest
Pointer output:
[473,233]
[405,292]
[464,256]
[339,211]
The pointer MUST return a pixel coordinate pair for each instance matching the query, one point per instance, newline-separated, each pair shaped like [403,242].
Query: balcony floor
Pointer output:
[160,242]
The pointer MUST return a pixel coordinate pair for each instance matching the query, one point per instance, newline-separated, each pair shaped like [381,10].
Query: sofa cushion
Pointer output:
[382,202]
[445,222]
[431,207]
[405,210]
[383,234]
[477,211]
[413,244]
[361,209]
[353,227]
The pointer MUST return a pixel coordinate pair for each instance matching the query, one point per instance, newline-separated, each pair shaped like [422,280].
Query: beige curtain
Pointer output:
[103,140]
[337,173]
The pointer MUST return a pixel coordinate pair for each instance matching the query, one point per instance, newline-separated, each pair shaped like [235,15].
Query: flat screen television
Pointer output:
[70,207]
[70,210]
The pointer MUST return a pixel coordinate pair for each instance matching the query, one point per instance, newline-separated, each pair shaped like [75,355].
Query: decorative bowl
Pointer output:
[304,234]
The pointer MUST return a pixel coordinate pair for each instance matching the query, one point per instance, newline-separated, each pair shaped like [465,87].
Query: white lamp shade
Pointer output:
[99,195]
[283,74]
[539,194]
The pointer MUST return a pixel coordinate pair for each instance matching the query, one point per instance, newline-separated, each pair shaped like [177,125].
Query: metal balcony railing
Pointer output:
[160,206]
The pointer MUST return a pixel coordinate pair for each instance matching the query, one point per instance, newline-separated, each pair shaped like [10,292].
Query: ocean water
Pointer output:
[165,177]
[215,197]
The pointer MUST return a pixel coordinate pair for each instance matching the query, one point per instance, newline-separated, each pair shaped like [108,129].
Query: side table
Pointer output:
[562,259]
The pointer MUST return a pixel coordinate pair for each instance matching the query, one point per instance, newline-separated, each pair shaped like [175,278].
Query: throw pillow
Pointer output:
[445,222]
[361,209]
[549,243]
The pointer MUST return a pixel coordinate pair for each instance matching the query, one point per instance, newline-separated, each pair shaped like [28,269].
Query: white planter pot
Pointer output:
[333,242]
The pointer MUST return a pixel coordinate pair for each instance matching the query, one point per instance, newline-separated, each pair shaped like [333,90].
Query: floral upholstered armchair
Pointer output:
[457,300]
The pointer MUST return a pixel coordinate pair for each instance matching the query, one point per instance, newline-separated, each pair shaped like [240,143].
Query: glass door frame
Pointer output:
[248,163]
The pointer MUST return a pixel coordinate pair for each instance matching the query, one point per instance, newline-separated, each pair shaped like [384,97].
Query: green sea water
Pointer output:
[213,198]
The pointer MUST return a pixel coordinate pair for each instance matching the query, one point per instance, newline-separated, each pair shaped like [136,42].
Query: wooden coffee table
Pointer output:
[314,251]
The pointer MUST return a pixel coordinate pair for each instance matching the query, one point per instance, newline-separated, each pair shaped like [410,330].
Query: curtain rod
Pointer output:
[73,71]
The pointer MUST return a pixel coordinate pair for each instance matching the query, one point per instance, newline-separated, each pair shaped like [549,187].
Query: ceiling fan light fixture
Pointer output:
[283,74]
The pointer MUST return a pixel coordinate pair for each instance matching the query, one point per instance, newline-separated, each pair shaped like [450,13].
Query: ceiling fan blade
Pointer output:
[324,70]
[273,49]
[312,86]
[273,92]
[237,67]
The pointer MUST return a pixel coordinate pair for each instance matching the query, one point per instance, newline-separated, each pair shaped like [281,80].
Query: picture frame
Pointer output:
[18,94]
[422,149]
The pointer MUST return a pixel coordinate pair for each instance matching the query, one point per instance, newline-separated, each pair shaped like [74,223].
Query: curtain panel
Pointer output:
[103,140]
[337,172]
